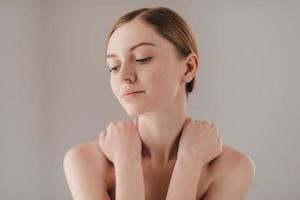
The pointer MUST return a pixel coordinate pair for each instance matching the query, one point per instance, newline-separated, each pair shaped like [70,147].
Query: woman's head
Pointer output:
[151,50]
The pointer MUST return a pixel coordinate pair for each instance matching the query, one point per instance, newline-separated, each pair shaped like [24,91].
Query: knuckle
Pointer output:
[129,122]
[214,127]
[112,123]
[206,123]
[189,119]
[102,132]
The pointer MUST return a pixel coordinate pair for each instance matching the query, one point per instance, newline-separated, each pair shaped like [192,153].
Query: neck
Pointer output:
[160,131]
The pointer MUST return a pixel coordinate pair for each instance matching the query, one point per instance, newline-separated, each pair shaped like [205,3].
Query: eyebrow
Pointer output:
[133,48]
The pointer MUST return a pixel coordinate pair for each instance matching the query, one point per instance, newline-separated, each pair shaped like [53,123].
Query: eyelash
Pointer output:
[143,61]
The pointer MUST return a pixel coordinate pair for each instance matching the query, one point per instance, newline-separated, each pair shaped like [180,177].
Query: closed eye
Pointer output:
[144,60]
[113,68]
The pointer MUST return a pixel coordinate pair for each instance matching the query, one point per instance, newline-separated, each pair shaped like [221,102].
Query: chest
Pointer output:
[157,181]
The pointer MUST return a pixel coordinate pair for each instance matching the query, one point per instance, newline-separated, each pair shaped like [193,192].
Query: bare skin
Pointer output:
[149,165]
[156,178]
[93,174]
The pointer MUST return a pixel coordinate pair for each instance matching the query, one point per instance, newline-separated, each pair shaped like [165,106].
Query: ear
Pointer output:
[190,67]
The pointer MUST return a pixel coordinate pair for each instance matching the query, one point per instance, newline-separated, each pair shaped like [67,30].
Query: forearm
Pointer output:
[129,180]
[184,181]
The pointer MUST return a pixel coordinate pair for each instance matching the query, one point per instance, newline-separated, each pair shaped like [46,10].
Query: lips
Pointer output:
[131,92]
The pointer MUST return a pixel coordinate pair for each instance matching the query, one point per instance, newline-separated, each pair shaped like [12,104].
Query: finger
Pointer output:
[187,120]
[111,125]
[220,141]
[215,128]
[135,120]
[102,135]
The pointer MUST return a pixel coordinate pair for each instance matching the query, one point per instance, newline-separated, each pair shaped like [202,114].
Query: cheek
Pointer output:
[164,82]
[114,87]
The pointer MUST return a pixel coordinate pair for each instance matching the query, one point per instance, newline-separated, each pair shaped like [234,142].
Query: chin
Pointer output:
[140,108]
[134,111]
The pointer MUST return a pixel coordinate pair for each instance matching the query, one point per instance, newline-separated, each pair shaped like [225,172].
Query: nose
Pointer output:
[127,74]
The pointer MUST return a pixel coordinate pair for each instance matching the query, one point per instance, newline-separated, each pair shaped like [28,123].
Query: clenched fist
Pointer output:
[121,142]
[199,141]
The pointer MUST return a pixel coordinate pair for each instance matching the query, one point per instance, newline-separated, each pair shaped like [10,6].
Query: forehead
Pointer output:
[132,33]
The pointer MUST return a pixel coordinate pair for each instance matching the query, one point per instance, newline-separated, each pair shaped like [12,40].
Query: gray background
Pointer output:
[55,91]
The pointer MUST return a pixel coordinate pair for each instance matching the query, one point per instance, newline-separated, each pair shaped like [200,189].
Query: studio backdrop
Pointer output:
[55,91]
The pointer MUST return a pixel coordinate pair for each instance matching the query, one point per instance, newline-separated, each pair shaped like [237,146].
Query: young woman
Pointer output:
[162,153]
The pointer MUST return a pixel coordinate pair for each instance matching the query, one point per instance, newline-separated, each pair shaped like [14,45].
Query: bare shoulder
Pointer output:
[234,172]
[85,168]
[233,159]
[91,149]
[88,154]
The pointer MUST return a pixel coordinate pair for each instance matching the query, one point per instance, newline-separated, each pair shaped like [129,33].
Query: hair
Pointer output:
[169,25]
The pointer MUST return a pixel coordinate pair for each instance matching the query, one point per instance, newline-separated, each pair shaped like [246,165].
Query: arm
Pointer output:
[84,180]
[233,184]
[184,181]
[129,180]
[122,145]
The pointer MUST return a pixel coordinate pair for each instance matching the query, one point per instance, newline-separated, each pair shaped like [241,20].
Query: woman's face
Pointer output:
[154,68]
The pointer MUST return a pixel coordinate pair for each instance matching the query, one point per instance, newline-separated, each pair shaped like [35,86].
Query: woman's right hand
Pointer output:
[121,142]
[199,141]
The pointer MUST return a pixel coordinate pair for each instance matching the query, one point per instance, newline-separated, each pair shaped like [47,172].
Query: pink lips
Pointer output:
[132,93]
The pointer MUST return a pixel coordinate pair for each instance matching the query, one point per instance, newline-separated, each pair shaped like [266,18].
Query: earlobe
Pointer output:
[191,66]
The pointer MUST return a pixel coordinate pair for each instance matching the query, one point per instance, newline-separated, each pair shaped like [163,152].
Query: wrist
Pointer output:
[190,160]
[123,162]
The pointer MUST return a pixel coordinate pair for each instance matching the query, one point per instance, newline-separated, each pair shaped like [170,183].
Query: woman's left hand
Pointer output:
[199,141]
